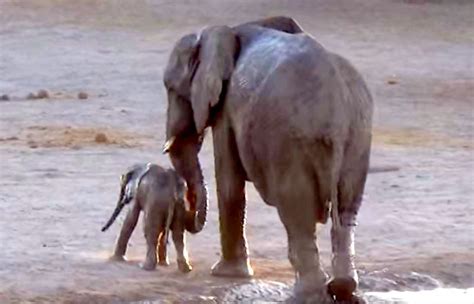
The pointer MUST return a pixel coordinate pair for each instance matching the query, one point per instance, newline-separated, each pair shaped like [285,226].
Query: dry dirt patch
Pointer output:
[74,137]
[418,138]
[461,89]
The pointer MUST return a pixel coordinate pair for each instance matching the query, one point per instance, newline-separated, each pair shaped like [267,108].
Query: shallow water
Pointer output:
[271,292]
[434,296]
[377,288]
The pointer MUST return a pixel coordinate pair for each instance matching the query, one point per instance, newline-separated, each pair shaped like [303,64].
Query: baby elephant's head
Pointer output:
[128,183]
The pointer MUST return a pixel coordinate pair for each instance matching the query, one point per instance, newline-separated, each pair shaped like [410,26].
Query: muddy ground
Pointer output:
[60,157]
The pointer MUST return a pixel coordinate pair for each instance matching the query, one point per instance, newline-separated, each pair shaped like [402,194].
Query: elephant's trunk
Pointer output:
[195,218]
[116,212]
[184,156]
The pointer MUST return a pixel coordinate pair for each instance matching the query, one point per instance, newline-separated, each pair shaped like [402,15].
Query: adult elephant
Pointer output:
[287,115]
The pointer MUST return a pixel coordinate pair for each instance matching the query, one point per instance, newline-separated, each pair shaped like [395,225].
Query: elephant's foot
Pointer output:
[148,265]
[118,258]
[238,268]
[164,262]
[320,297]
[342,288]
[184,266]
[355,299]
[344,283]
[312,288]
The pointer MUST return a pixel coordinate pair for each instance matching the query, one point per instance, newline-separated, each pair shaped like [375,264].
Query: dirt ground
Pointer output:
[60,157]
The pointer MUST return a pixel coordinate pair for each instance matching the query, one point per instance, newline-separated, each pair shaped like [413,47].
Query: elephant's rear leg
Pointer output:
[153,226]
[182,258]
[298,214]
[344,283]
[127,228]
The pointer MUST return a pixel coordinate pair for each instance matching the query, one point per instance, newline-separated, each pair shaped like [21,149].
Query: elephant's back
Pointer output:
[265,51]
[289,83]
[289,102]
[156,187]
[284,87]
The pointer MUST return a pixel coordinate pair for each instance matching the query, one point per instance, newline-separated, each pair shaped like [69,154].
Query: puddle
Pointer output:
[378,287]
[275,292]
[434,296]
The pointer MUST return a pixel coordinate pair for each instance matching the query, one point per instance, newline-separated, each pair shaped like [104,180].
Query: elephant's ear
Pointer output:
[217,50]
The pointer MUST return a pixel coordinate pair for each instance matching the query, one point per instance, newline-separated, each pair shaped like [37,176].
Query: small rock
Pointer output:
[392,81]
[31,96]
[100,138]
[42,94]
[82,95]
[12,138]
[44,245]
[4,97]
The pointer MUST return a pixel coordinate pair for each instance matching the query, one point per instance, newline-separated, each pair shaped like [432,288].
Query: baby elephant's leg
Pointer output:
[181,252]
[162,254]
[152,228]
[125,233]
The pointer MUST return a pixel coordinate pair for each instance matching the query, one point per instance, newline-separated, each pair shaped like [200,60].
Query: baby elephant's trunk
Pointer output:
[128,188]
[114,216]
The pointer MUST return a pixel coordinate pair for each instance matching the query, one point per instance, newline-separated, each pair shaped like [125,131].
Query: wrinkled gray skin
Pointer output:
[291,117]
[160,194]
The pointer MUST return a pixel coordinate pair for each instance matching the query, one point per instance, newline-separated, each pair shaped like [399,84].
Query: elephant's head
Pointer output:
[195,77]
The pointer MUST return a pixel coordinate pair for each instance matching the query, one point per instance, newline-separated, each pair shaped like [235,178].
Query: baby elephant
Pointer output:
[160,193]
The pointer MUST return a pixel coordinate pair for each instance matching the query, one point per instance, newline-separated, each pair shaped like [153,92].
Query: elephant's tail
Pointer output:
[128,189]
[334,180]
[113,217]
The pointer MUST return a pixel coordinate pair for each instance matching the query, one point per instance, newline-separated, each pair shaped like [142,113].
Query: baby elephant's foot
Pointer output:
[149,266]
[164,262]
[184,266]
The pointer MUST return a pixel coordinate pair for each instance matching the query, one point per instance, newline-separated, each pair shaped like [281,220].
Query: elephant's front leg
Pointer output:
[125,233]
[230,181]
